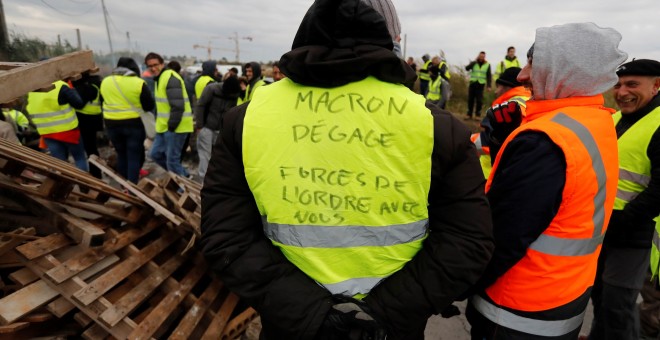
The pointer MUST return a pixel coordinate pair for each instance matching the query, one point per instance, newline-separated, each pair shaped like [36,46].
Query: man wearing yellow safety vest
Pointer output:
[424,76]
[209,75]
[480,78]
[443,72]
[126,96]
[19,122]
[173,117]
[89,117]
[337,201]
[552,188]
[53,114]
[624,262]
[254,81]
[509,61]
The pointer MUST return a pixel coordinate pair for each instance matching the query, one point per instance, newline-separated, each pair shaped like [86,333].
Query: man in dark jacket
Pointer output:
[337,201]
[216,99]
[624,261]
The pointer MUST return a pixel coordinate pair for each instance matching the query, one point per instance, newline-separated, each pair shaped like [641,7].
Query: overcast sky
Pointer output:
[461,28]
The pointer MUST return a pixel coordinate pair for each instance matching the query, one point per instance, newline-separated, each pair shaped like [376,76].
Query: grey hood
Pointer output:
[575,60]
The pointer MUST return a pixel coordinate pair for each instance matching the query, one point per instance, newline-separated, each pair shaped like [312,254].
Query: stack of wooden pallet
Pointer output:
[102,263]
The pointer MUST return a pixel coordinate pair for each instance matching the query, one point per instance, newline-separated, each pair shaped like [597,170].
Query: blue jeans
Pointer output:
[129,145]
[61,150]
[166,151]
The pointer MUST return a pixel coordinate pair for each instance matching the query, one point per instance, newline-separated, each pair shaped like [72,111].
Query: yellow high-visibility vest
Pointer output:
[47,114]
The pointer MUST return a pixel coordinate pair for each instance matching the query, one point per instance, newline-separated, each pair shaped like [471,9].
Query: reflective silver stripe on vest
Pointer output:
[553,245]
[640,179]
[162,100]
[526,325]
[51,114]
[55,122]
[167,114]
[344,236]
[353,286]
[626,195]
[656,239]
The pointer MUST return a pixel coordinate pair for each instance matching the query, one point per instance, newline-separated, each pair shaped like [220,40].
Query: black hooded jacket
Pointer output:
[343,41]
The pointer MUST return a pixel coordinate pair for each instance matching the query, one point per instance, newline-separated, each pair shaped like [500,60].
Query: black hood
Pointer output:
[256,72]
[130,64]
[342,41]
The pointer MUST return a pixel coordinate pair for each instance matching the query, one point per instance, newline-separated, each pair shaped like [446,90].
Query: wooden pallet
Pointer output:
[137,285]
[156,204]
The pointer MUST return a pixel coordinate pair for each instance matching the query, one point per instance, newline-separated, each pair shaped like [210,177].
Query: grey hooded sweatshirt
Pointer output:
[584,67]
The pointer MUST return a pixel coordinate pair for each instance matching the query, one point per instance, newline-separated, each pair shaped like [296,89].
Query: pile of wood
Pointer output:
[79,257]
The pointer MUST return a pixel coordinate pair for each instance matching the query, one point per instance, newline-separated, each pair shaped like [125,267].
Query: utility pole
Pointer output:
[4,36]
[128,38]
[79,40]
[405,45]
[107,29]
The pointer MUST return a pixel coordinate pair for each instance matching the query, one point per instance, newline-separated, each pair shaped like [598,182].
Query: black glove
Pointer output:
[501,120]
[352,319]
[450,311]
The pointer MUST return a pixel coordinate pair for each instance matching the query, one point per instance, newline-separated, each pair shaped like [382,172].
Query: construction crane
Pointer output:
[238,49]
[209,47]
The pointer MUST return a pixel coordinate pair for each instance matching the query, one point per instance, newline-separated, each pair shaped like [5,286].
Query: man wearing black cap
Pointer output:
[624,260]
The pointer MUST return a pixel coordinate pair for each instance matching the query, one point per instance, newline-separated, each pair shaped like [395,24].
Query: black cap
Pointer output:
[639,67]
[509,77]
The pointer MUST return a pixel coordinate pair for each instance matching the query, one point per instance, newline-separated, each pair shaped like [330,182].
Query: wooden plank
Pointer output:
[24,301]
[129,302]
[80,230]
[37,294]
[95,332]
[88,257]
[43,246]
[14,327]
[187,325]
[238,324]
[82,319]
[23,277]
[21,80]
[112,277]
[219,323]
[60,307]
[106,211]
[9,241]
[157,317]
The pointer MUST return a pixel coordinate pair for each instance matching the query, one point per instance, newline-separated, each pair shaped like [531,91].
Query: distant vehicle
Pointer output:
[197,68]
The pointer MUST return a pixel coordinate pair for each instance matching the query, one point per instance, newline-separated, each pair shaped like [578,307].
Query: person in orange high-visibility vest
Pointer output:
[551,190]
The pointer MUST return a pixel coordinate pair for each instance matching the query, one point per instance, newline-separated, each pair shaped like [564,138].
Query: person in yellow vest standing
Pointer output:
[480,79]
[509,61]
[624,262]
[90,120]
[173,117]
[53,114]
[338,201]
[254,81]
[424,76]
[209,75]
[19,122]
[552,188]
[126,96]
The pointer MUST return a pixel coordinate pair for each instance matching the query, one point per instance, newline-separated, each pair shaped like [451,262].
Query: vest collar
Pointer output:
[538,108]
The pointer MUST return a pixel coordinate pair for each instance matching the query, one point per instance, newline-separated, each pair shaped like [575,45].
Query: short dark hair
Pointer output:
[510,48]
[153,55]
[174,66]
[482,52]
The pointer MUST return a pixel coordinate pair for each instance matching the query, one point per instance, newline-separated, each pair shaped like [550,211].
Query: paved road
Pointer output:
[457,328]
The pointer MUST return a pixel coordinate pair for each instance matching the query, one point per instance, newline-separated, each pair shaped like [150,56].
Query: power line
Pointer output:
[69,14]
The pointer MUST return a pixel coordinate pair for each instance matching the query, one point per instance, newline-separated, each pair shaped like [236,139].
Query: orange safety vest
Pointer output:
[518,93]
[560,266]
